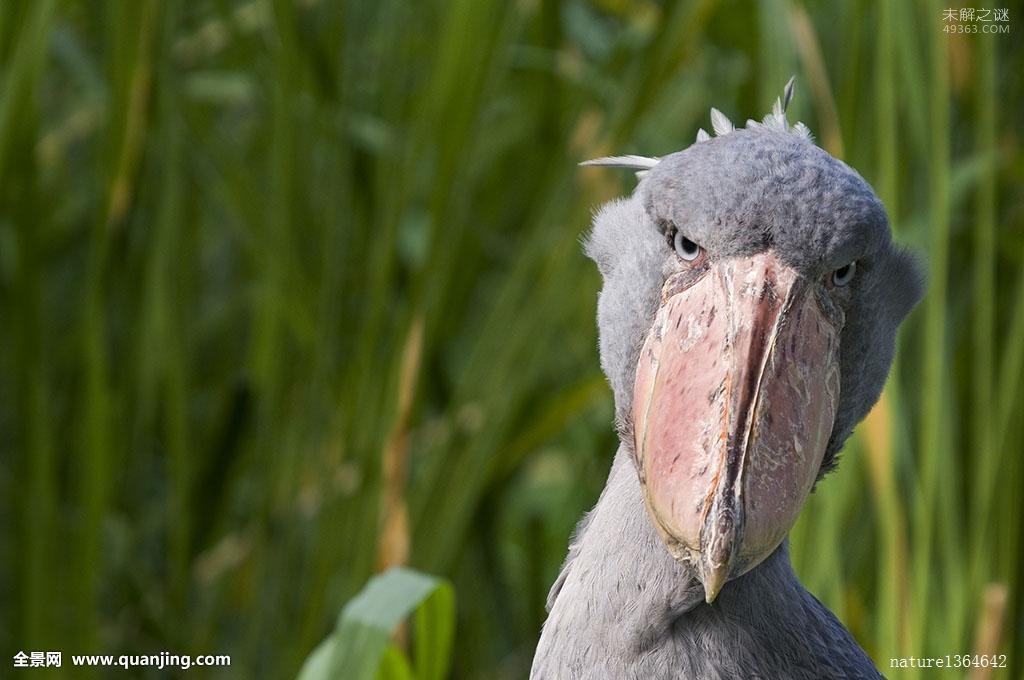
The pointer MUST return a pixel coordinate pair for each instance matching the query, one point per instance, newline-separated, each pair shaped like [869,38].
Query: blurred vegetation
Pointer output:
[292,291]
[366,644]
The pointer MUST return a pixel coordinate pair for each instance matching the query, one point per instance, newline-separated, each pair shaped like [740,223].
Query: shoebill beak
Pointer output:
[736,392]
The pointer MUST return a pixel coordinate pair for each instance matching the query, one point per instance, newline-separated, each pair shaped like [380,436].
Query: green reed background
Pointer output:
[292,291]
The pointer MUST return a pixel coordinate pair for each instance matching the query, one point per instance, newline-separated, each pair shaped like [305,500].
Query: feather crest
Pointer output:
[787,95]
[632,162]
[720,124]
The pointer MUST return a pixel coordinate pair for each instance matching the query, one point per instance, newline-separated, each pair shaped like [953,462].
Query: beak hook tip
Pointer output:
[713,578]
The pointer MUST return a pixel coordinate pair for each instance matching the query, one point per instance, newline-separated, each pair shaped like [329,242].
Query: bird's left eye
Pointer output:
[844,274]
[685,248]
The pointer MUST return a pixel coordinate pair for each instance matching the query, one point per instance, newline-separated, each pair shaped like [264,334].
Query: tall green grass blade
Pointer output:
[25,213]
[434,635]
[932,452]
[890,611]
[1008,391]
[132,69]
[1008,387]
[18,79]
[394,665]
[983,373]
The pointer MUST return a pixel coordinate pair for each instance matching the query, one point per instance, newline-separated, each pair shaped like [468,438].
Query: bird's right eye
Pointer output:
[685,248]
[844,274]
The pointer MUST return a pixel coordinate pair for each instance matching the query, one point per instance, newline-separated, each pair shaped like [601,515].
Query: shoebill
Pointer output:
[750,302]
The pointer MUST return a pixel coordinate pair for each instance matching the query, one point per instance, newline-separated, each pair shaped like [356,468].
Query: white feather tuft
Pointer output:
[787,94]
[702,135]
[777,122]
[720,124]
[777,118]
[633,162]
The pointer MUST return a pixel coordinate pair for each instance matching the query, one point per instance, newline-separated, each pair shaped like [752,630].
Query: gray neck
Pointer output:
[624,608]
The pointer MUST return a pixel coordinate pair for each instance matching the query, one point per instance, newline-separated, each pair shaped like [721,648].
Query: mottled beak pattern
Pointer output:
[736,391]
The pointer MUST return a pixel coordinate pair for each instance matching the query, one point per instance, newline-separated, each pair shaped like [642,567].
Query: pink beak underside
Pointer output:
[736,392]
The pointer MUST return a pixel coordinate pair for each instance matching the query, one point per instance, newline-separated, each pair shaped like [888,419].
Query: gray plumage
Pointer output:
[622,606]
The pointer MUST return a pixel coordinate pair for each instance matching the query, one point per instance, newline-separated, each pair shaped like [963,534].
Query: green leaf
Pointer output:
[435,628]
[358,649]
[318,663]
[394,665]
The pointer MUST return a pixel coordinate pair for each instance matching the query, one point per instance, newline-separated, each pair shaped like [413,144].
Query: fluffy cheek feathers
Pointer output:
[631,256]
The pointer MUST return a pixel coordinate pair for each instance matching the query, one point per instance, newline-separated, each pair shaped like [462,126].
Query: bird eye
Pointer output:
[844,274]
[685,248]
